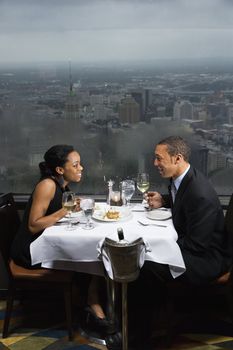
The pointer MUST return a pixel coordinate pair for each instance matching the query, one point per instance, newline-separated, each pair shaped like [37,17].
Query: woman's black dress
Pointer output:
[20,250]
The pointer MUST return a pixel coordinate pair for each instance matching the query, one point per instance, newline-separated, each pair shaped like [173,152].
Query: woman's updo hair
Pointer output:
[54,157]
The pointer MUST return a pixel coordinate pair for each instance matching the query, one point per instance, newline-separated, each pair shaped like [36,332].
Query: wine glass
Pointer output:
[143,183]
[68,203]
[87,205]
[128,189]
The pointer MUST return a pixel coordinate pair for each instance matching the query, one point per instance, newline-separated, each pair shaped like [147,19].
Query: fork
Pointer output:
[62,222]
[143,224]
[75,223]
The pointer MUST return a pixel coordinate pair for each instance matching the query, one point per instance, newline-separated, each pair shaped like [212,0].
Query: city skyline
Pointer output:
[114,134]
[110,30]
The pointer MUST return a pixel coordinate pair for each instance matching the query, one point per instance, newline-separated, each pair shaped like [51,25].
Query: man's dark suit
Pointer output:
[199,221]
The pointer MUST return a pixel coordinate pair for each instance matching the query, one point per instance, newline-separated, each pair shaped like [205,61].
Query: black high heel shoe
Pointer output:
[95,323]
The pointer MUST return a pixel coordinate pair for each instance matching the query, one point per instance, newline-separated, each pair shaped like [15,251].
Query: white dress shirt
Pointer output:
[176,183]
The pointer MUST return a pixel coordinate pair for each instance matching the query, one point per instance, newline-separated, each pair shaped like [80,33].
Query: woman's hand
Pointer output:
[77,203]
[154,199]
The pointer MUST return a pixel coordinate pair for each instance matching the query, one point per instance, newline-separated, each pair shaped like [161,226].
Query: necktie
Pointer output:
[173,191]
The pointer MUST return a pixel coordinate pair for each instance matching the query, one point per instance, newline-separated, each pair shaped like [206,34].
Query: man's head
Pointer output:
[172,156]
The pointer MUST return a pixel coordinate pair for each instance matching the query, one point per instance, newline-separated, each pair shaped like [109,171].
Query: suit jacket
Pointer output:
[199,221]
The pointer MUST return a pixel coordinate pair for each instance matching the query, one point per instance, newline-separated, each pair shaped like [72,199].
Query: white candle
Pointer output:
[115,196]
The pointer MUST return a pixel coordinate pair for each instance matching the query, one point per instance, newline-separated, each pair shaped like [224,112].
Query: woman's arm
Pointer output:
[42,196]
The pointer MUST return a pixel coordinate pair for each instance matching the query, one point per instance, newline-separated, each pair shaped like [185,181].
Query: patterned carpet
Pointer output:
[26,333]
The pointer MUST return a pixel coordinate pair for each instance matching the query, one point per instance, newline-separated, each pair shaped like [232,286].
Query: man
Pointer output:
[199,221]
[196,213]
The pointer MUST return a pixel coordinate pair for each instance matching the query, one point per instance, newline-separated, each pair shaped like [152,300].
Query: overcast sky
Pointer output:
[106,30]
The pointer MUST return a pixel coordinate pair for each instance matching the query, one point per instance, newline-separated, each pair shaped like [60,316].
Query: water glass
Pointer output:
[88,205]
[128,189]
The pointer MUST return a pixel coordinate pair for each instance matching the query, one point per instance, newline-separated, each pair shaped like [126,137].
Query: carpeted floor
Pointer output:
[43,329]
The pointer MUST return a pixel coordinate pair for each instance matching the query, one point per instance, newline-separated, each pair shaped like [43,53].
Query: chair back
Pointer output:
[229,229]
[9,225]
[124,259]
[229,218]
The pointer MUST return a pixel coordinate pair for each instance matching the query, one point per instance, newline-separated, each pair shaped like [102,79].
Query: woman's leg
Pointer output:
[93,298]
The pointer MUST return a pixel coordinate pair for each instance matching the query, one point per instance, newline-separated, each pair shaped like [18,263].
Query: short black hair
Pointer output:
[176,145]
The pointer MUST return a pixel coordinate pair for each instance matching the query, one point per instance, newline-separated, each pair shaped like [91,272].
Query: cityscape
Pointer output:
[114,115]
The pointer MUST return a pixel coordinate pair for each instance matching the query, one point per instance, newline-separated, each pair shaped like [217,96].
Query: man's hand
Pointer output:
[154,199]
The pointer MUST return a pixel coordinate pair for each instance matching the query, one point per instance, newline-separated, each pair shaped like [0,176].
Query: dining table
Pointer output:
[82,250]
[79,249]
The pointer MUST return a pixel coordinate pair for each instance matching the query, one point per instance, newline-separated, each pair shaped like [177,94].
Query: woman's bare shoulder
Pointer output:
[46,185]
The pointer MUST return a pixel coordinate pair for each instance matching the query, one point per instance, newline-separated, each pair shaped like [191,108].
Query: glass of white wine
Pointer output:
[143,183]
[68,203]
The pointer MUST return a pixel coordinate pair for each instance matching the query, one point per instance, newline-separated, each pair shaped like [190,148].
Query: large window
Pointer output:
[112,78]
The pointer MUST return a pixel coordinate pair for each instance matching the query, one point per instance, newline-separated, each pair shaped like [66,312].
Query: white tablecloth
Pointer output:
[77,249]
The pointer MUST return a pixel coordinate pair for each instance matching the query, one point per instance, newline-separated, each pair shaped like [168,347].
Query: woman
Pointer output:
[61,166]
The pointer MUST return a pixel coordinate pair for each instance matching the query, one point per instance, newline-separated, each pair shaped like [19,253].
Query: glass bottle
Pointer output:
[121,236]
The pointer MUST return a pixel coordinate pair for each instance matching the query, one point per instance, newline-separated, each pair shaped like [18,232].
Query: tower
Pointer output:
[72,103]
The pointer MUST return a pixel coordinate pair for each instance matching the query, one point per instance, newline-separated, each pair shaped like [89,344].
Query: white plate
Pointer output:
[99,214]
[138,207]
[63,220]
[158,214]
[77,214]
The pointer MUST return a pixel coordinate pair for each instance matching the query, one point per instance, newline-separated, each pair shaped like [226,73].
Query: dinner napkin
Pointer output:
[138,207]
[102,255]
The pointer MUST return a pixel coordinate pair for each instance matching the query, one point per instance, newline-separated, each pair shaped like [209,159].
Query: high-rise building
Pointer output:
[139,98]
[216,160]
[143,98]
[183,110]
[148,98]
[129,111]
[176,110]
[230,113]
[186,110]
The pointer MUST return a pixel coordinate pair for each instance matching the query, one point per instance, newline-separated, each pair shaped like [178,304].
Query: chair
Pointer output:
[222,286]
[125,264]
[20,278]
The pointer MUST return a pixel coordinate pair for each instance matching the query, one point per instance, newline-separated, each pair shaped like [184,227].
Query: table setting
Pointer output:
[76,248]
